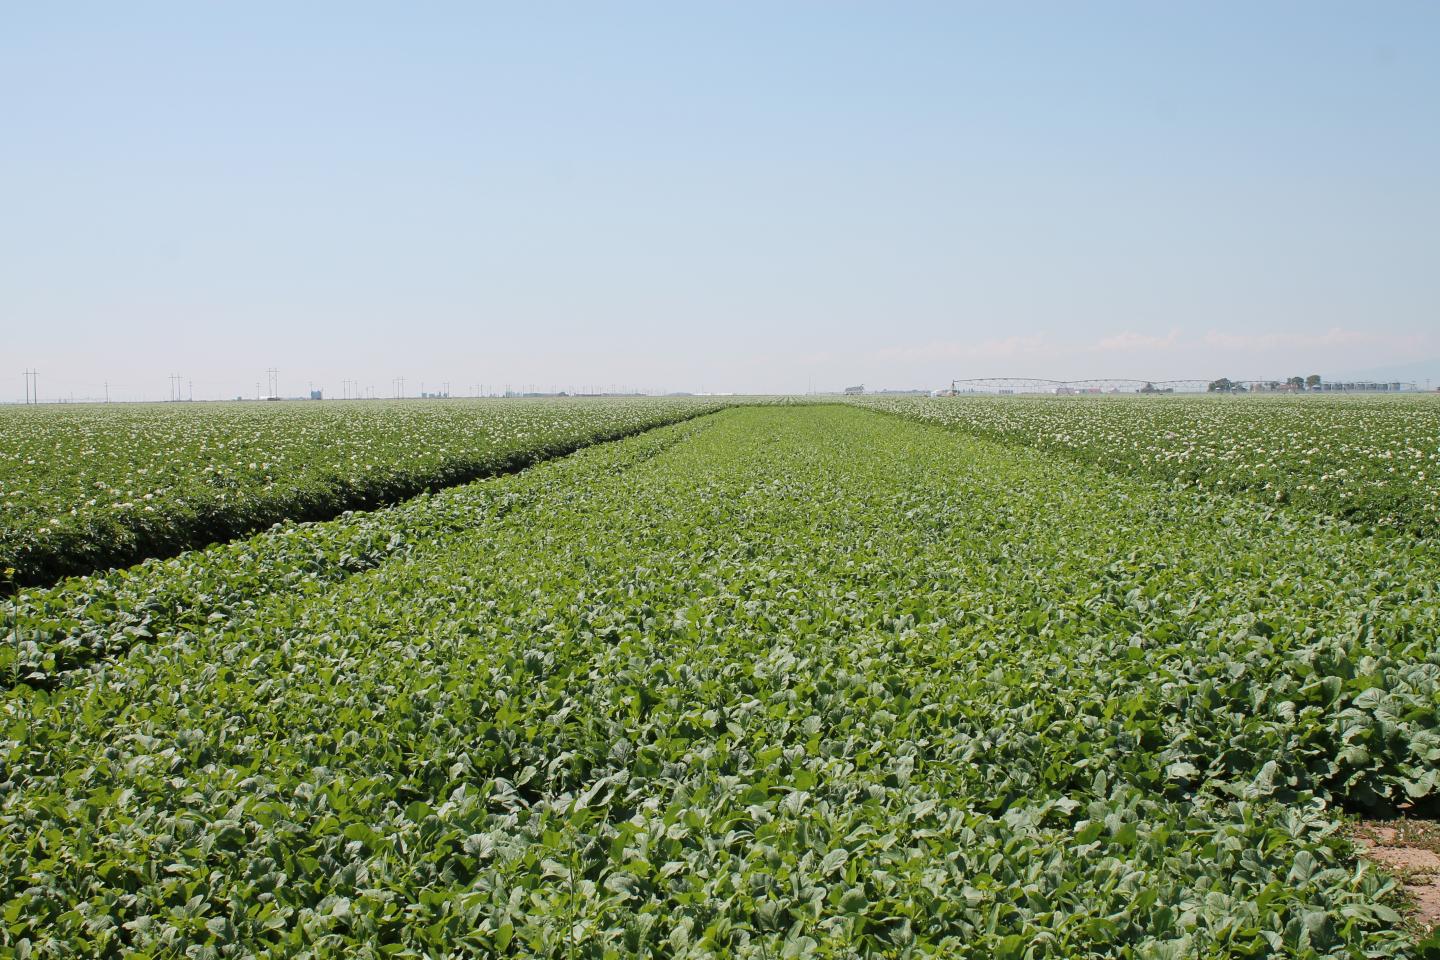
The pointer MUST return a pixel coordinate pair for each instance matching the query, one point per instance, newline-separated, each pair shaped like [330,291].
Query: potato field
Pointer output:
[90,486]
[1372,459]
[970,678]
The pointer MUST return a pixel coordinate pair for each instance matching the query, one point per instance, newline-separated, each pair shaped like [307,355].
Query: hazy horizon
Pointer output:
[732,199]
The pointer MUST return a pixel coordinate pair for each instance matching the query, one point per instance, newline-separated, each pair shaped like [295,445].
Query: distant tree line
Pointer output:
[1226,385]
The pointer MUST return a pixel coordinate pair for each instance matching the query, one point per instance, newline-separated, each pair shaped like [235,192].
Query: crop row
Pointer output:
[82,488]
[804,682]
[1373,460]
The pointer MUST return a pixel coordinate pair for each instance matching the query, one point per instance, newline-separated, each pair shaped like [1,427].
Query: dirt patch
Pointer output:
[1410,851]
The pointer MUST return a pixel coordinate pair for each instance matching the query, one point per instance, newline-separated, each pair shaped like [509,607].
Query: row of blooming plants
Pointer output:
[90,486]
[769,683]
[1373,460]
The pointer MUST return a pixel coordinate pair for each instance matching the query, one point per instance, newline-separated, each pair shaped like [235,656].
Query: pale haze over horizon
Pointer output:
[742,197]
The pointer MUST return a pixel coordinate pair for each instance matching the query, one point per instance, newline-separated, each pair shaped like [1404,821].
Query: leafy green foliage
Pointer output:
[768,683]
[87,487]
[1372,460]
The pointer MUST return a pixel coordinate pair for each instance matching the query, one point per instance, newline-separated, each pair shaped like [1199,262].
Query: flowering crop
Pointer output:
[1375,460]
[768,683]
[84,487]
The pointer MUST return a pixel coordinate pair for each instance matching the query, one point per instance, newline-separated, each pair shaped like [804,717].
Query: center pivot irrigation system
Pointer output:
[1103,385]
[1034,385]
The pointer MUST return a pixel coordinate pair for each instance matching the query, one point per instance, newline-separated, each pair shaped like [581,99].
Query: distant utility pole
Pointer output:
[32,386]
[272,380]
[175,387]
[107,391]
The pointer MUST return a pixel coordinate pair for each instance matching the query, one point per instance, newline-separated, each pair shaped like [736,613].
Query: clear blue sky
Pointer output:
[737,196]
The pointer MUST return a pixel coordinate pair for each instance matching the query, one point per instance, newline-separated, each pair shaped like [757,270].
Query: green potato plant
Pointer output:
[91,486]
[1373,460]
[770,682]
